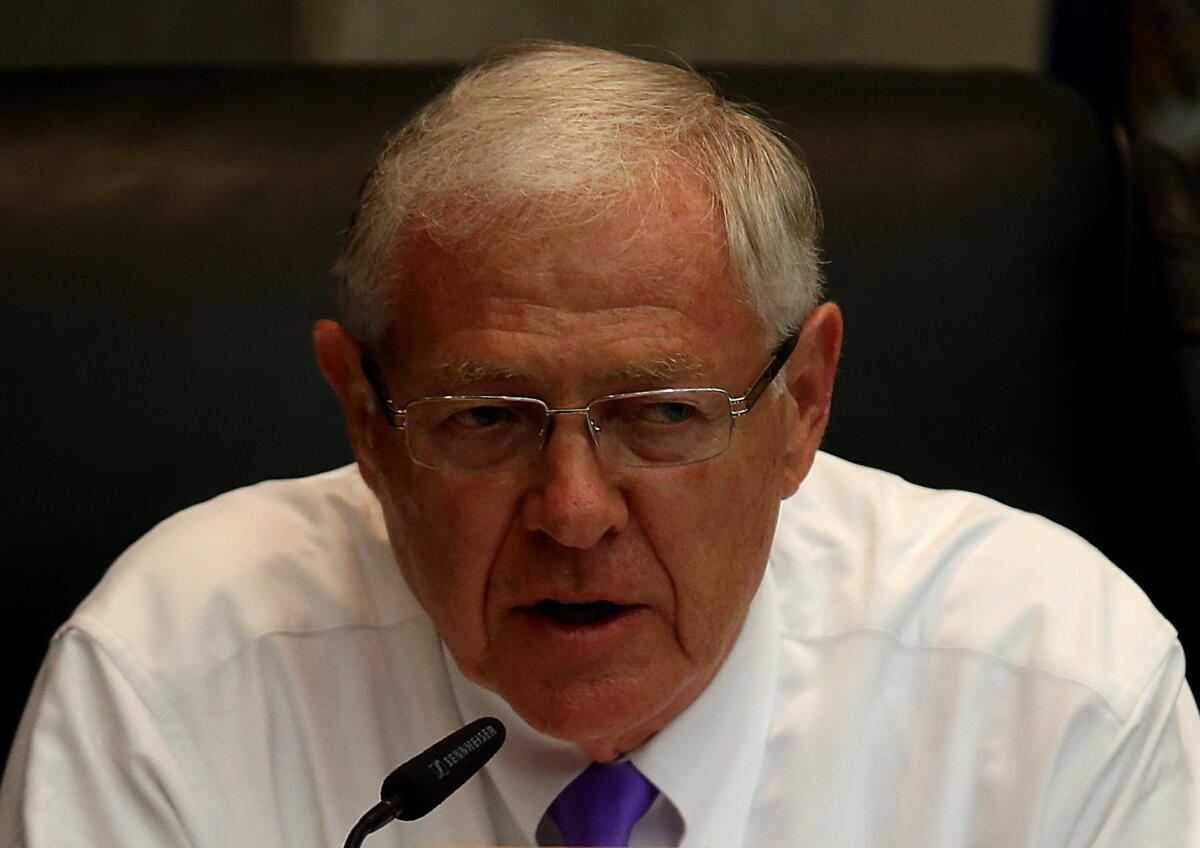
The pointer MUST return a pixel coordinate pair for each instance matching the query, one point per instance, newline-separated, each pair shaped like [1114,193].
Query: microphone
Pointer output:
[432,776]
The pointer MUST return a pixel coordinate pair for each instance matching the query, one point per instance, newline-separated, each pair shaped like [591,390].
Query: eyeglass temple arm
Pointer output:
[747,401]
[375,379]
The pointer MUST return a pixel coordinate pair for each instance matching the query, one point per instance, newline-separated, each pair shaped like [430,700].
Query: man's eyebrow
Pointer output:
[666,368]
[663,369]
[462,372]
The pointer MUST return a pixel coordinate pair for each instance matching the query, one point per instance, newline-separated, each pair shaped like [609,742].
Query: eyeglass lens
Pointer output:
[673,427]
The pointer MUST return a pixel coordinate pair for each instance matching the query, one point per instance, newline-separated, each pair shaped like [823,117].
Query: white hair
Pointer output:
[543,134]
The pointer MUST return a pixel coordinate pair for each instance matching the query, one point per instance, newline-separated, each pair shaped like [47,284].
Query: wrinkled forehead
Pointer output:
[540,264]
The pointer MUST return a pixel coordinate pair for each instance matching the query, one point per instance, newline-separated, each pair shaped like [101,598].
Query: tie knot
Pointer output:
[601,805]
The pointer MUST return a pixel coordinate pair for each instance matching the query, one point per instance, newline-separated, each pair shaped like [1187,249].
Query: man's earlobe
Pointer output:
[339,358]
[811,371]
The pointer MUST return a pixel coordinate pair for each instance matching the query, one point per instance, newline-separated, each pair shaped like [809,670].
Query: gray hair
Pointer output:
[543,134]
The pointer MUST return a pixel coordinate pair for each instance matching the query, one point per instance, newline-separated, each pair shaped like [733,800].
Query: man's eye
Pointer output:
[667,412]
[479,417]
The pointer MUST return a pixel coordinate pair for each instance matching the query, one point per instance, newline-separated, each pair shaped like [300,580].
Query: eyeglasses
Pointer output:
[660,428]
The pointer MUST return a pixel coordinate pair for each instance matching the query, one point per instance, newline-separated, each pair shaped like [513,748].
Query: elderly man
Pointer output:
[586,371]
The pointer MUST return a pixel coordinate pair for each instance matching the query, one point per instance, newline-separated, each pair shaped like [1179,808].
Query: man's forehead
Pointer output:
[635,300]
[564,277]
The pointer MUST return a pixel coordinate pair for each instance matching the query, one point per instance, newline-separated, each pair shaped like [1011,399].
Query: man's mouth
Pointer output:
[593,612]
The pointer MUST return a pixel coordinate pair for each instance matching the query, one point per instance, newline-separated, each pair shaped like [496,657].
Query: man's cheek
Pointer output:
[460,546]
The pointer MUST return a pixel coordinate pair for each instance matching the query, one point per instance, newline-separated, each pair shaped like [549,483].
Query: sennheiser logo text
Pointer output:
[442,766]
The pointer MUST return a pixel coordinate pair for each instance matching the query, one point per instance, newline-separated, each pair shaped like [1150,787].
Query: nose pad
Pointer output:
[590,427]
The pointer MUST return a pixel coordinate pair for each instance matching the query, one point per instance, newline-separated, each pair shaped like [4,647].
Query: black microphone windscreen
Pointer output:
[430,777]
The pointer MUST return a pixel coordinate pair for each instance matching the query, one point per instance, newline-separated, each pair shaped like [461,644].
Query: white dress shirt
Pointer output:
[918,668]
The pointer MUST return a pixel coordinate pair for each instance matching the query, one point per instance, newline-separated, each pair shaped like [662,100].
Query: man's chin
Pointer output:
[605,717]
[603,685]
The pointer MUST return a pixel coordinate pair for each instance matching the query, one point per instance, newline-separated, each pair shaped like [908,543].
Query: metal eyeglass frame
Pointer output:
[738,406]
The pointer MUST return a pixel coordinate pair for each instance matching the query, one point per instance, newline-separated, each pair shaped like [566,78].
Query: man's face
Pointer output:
[641,301]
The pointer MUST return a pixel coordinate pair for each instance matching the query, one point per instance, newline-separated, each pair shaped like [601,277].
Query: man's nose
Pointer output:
[573,497]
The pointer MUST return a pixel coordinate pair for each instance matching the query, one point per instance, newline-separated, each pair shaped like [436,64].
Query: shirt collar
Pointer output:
[706,762]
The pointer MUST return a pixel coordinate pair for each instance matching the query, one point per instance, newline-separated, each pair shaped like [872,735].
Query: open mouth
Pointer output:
[594,612]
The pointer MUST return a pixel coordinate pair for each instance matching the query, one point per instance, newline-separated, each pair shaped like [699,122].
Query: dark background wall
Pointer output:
[1007,33]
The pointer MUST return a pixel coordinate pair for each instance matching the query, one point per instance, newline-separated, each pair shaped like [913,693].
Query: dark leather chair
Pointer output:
[165,239]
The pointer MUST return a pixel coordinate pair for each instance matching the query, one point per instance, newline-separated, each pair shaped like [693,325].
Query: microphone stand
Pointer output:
[373,819]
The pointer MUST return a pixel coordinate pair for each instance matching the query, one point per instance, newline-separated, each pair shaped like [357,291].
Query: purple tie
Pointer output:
[601,806]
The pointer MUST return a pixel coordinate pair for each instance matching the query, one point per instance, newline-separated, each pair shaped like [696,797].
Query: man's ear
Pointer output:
[340,359]
[811,370]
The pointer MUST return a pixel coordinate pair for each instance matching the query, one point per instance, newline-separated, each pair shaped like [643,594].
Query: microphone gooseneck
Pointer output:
[429,778]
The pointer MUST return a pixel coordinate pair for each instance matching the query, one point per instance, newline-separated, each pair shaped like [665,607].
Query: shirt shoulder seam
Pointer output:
[99,632]
[1110,708]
